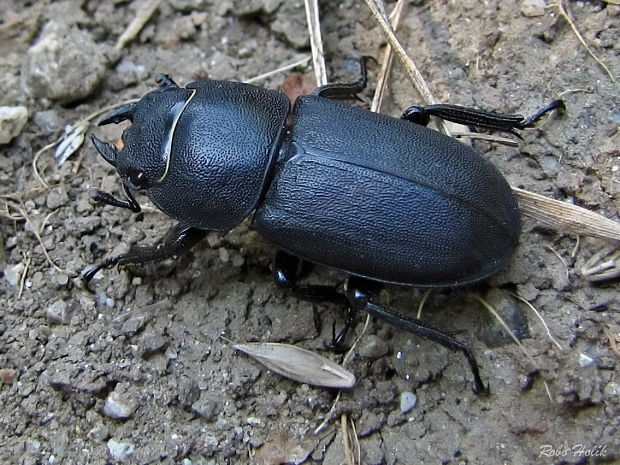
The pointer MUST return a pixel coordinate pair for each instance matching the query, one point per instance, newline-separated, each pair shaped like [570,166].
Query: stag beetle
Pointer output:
[384,200]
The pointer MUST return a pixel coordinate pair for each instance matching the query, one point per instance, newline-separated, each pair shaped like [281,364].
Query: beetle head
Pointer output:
[143,158]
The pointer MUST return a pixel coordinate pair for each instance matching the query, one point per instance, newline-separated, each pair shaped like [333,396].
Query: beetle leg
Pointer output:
[286,267]
[345,90]
[180,239]
[286,271]
[359,300]
[476,117]
[165,82]
[107,198]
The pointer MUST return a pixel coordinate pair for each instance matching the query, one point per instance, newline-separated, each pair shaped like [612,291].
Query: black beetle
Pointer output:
[383,199]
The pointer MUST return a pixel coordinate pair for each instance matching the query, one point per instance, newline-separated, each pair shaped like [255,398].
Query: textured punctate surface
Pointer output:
[388,199]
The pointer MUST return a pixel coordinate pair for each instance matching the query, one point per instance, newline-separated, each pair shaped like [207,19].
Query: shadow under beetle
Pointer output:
[383,199]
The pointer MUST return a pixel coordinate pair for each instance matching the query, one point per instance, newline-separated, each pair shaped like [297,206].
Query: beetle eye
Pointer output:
[138,178]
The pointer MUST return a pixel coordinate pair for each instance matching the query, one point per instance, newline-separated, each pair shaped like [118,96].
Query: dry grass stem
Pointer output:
[357,340]
[328,417]
[412,70]
[557,254]
[486,137]
[349,458]
[423,302]
[316,42]
[563,10]
[501,321]
[565,217]
[281,69]
[492,311]
[144,11]
[603,265]
[22,280]
[386,62]
[38,236]
[537,313]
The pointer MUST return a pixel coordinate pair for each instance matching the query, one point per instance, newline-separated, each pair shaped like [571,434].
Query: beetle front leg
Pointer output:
[359,300]
[179,239]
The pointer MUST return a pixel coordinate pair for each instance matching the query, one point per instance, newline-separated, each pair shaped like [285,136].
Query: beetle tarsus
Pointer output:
[180,239]
[555,105]
[346,90]
[107,198]
[477,117]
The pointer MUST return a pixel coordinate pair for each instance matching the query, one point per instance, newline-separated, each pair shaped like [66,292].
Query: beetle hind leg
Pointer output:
[180,239]
[477,117]
[353,295]
[359,300]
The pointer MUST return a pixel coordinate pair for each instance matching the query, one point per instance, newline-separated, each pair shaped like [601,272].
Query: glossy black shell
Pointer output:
[387,199]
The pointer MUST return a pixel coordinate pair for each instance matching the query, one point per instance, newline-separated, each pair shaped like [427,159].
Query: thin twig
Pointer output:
[501,321]
[564,13]
[486,137]
[328,417]
[346,443]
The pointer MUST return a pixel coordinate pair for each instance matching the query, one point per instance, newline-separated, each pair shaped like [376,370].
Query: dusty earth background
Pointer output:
[145,346]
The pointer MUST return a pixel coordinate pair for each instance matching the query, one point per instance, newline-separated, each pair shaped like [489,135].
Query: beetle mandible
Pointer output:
[384,200]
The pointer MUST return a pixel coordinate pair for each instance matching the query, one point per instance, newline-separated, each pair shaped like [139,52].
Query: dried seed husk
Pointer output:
[299,364]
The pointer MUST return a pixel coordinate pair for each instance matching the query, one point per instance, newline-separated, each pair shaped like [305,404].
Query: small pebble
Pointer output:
[408,401]
[12,121]
[58,313]
[48,121]
[585,360]
[373,347]
[120,451]
[533,8]
[118,406]
[206,408]
[13,273]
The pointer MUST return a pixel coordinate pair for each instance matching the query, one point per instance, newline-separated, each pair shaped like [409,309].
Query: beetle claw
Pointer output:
[107,151]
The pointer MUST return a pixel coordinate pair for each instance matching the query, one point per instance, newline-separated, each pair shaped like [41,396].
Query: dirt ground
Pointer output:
[133,370]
